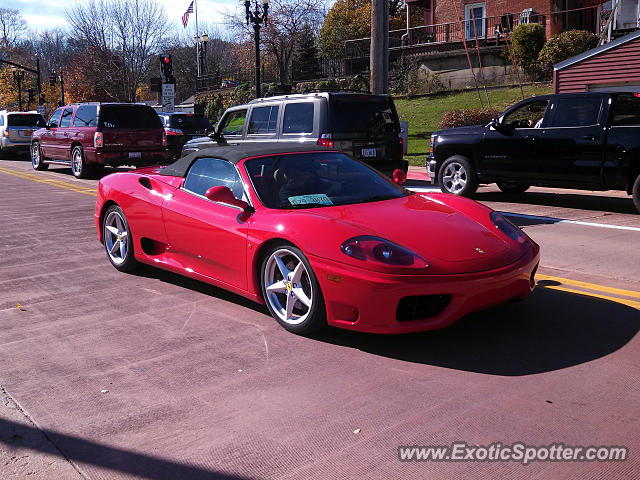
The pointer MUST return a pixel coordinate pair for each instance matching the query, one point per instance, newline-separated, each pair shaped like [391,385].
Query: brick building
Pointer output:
[555,15]
[612,66]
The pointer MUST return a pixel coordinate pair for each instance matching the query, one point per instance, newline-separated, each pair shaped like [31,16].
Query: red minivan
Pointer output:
[87,136]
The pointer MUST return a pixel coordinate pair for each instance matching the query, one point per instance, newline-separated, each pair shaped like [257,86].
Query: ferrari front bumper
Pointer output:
[367,301]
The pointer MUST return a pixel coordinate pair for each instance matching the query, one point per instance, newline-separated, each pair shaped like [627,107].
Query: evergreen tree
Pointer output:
[305,64]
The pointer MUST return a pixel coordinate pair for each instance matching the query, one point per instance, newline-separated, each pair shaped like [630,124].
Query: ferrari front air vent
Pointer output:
[421,306]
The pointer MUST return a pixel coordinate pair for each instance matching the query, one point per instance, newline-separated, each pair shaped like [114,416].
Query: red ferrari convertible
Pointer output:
[317,236]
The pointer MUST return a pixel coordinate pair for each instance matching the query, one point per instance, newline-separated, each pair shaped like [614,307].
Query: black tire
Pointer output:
[513,187]
[465,183]
[123,261]
[37,160]
[315,317]
[635,193]
[79,166]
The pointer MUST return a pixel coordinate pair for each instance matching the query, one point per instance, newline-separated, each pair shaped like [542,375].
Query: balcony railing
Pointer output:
[486,28]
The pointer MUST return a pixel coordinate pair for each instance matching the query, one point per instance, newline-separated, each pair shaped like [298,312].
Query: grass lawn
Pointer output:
[424,113]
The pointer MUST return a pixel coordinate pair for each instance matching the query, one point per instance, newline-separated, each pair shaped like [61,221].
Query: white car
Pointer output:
[16,129]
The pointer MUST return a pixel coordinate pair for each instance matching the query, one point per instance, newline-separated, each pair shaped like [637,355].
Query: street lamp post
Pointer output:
[201,53]
[257,17]
[18,75]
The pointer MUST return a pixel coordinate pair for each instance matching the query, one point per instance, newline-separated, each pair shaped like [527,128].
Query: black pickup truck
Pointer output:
[588,141]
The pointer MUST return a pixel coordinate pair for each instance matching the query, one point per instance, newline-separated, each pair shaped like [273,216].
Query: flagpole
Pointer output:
[197,35]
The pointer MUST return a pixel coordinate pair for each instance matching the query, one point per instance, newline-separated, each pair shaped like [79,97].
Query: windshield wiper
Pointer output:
[377,198]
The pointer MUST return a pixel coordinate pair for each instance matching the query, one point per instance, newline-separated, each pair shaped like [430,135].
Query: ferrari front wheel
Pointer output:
[291,290]
[117,239]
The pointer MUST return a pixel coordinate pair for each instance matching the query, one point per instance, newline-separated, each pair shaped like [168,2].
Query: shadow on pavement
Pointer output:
[549,331]
[564,200]
[148,271]
[77,449]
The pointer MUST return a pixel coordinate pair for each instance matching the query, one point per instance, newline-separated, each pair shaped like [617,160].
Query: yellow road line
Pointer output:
[629,303]
[52,182]
[589,286]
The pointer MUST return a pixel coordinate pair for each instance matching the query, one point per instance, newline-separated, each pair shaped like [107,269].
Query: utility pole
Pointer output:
[379,53]
[38,78]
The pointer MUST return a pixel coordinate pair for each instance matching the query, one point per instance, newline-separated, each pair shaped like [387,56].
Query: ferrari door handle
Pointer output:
[591,138]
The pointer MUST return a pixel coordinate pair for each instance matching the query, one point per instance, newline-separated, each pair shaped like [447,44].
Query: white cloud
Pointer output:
[44,15]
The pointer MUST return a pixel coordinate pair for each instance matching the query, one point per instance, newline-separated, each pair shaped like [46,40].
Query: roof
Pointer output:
[236,153]
[327,94]
[597,50]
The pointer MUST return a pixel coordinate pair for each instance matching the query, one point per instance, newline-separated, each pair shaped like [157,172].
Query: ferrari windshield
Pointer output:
[317,179]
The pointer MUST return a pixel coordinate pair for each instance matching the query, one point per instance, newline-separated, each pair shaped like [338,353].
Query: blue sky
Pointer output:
[43,15]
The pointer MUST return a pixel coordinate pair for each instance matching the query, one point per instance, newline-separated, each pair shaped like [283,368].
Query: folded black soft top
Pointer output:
[235,153]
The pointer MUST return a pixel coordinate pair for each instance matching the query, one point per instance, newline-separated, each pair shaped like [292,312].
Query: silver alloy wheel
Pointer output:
[115,237]
[288,286]
[76,161]
[454,177]
[35,155]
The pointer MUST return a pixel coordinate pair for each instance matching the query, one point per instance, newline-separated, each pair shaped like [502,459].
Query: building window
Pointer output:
[474,12]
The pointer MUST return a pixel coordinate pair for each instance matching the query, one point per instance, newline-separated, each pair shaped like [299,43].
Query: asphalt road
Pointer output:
[150,375]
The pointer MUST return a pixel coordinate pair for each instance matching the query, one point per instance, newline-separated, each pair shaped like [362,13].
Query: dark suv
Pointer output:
[90,135]
[362,125]
[180,127]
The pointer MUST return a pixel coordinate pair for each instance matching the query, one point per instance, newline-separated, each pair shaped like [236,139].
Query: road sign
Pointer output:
[40,109]
[168,97]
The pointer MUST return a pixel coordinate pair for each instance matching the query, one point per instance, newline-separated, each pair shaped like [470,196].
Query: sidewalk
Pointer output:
[417,173]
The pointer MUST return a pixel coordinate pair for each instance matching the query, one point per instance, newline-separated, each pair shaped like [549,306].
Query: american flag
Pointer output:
[185,15]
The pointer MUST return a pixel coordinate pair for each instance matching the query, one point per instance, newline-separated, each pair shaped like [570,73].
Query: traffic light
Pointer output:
[31,95]
[52,79]
[41,102]
[166,68]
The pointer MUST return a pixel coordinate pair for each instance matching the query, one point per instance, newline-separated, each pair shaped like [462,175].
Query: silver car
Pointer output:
[16,129]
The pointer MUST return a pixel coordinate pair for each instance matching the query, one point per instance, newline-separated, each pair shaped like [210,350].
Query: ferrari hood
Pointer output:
[452,240]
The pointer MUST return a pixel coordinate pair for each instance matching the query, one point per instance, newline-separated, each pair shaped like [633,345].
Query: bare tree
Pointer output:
[127,33]
[12,27]
[287,19]
[53,49]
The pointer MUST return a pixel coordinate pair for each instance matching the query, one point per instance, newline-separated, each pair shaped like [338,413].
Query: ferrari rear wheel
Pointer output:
[117,239]
[291,290]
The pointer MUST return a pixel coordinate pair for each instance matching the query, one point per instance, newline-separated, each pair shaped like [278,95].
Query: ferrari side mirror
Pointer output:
[222,194]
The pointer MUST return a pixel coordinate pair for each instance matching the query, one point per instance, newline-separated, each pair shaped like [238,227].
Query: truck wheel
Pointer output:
[37,160]
[79,166]
[512,187]
[635,193]
[457,176]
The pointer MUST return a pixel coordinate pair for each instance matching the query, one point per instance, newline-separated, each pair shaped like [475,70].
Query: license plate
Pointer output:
[135,154]
[368,152]
[26,133]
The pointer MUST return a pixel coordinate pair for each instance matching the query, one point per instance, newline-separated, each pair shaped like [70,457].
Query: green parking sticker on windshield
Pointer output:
[317,199]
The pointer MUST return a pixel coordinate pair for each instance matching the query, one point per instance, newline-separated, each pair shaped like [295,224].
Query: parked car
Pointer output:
[587,141]
[16,129]
[86,136]
[362,125]
[319,237]
[180,127]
